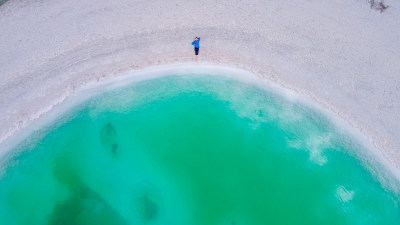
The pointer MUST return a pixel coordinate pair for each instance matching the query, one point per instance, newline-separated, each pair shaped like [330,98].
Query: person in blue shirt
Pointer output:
[196,46]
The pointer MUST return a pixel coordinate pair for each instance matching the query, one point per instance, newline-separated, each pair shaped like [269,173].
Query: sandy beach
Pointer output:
[342,54]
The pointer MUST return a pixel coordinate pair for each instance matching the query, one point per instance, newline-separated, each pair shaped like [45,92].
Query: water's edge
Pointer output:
[383,169]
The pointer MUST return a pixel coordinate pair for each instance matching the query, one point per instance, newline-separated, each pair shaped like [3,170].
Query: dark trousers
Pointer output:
[196,51]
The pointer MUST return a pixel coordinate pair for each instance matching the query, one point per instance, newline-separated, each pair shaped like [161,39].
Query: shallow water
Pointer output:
[192,150]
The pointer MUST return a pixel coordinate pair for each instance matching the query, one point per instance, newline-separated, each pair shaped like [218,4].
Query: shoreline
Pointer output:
[380,166]
[341,55]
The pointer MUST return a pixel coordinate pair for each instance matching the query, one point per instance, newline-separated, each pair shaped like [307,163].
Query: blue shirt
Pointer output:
[196,43]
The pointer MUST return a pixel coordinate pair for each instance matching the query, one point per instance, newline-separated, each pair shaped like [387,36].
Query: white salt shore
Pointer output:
[341,54]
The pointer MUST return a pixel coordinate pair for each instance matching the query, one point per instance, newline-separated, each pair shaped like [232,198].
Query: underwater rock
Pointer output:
[147,206]
[84,206]
[108,137]
[260,113]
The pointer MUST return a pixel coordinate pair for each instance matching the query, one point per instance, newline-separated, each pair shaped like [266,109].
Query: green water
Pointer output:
[201,150]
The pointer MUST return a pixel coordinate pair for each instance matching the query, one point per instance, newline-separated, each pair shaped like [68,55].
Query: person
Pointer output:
[196,47]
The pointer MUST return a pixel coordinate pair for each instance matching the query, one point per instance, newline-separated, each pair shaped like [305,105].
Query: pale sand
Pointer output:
[342,54]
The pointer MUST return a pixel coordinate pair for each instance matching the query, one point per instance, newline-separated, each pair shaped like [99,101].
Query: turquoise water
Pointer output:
[183,150]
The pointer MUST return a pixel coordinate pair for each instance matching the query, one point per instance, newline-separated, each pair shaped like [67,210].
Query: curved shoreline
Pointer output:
[378,166]
[346,65]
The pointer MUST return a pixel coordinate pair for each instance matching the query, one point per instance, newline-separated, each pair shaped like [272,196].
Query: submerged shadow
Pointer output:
[84,206]
[108,137]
